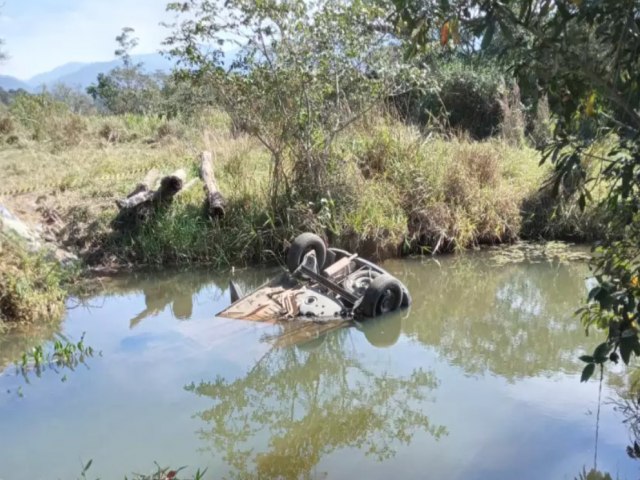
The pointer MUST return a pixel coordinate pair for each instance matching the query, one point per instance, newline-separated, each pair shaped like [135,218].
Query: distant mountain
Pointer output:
[81,75]
[12,83]
[53,75]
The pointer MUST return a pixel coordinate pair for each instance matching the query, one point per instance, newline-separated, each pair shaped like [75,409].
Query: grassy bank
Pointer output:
[31,287]
[392,191]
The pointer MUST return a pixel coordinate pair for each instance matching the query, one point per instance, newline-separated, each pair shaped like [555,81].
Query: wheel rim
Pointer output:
[388,301]
[361,285]
[358,283]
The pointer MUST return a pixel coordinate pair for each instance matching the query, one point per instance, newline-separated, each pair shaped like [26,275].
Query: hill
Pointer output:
[11,83]
[82,75]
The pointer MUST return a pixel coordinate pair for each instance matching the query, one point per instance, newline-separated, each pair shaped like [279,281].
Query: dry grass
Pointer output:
[392,191]
[454,193]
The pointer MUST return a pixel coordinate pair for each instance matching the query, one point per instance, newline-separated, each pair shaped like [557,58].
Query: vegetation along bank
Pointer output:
[430,156]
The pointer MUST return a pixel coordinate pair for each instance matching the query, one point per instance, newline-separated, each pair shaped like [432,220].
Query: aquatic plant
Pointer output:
[62,354]
[160,473]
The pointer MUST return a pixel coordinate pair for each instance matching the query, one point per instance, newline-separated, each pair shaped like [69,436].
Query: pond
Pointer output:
[480,379]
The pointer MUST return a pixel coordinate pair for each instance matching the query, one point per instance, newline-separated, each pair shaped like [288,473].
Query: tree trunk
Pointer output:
[142,192]
[143,200]
[215,203]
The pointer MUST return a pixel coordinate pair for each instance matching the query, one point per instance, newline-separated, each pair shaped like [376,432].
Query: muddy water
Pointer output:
[480,379]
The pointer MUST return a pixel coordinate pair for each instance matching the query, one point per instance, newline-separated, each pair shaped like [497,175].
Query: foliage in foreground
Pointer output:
[584,56]
[30,286]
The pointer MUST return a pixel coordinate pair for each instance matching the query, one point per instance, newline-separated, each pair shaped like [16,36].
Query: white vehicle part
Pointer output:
[314,304]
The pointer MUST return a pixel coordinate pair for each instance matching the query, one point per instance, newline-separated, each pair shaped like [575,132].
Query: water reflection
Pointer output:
[593,474]
[15,342]
[176,290]
[498,395]
[298,405]
[511,321]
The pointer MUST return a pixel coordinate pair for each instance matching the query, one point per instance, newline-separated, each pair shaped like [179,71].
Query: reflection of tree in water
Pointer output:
[177,289]
[593,474]
[311,401]
[515,320]
[627,404]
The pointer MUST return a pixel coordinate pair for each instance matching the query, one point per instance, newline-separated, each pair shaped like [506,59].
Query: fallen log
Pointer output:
[142,192]
[215,203]
[170,185]
[143,200]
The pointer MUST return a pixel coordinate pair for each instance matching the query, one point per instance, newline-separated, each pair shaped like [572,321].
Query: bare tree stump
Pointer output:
[215,203]
[170,185]
[142,192]
[143,201]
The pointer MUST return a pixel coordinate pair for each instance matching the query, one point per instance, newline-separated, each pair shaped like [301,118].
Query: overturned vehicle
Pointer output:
[322,284]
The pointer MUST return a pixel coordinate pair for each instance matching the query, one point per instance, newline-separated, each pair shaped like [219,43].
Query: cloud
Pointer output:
[43,34]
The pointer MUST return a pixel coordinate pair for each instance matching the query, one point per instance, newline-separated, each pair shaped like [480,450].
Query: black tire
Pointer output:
[383,295]
[303,244]
[406,299]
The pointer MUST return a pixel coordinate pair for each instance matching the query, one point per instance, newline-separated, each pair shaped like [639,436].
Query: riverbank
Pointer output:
[391,191]
[479,323]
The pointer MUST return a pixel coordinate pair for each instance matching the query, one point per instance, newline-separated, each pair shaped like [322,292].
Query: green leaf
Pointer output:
[488,36]
[601,352]
[587,358]
[582,202]
[506,31]
[627,345]
[587,372]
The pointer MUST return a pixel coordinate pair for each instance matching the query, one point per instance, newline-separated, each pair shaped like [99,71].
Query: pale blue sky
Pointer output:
[43,34]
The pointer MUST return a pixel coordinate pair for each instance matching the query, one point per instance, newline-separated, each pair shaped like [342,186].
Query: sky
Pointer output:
[43,34]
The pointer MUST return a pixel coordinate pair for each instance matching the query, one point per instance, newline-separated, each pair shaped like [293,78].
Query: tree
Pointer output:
[127,89]
[302,72]
[77,100]
[314,400]
[584,56]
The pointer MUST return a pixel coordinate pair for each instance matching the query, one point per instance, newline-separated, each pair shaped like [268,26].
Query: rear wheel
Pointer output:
[303,244]
[383,295]
[358,282]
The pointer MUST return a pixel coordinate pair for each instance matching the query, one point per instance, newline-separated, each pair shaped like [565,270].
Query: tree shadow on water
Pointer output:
[298,405]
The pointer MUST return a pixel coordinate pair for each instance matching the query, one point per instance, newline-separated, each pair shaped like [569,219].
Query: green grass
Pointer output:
[30,286]
[448,194]
[391,191]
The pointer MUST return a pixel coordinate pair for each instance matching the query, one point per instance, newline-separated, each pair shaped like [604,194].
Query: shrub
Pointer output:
[110,131]
[6,126]
[462,97]
[453,194]
[44,119]
[30,285]
[513,119]
[540,124]
[170,129]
